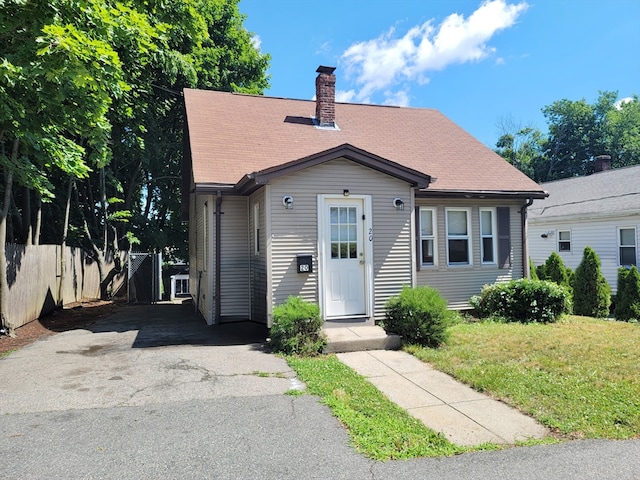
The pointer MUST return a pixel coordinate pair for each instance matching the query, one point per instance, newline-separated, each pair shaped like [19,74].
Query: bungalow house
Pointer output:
[341,204]
[601,210]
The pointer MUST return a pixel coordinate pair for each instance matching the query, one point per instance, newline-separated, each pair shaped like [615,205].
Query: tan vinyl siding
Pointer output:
[295,231]
[600,234]
[258,266]
[234,259]
[201,276]
[458,283]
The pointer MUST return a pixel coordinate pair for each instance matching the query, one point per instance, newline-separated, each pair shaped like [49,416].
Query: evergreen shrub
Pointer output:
[523,300]
[591,292]
[297,328]
[419,315]
[628,297]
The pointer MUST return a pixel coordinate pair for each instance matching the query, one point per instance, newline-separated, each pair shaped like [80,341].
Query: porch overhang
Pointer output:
[252,181]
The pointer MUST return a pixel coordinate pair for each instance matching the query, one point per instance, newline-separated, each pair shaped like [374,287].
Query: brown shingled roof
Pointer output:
[232,135]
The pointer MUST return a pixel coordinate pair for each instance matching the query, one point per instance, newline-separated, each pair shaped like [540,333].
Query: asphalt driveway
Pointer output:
[142,355]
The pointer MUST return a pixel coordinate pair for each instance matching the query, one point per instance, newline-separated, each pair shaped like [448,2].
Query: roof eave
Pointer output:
[520,194]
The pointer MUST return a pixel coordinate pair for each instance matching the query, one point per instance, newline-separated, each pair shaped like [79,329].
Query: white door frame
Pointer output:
[367,238]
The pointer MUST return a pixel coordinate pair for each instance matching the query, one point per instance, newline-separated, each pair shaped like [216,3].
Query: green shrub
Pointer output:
[591,292]
[555,270]
[297,328]
[533,274]
[523,300]
[628,297]
[419,315]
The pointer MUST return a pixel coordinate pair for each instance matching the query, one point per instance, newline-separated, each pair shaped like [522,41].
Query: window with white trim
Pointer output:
[205,236]
[458,236]
[428,236]
[627,248]
[256,228]
[488,229]
[564,240]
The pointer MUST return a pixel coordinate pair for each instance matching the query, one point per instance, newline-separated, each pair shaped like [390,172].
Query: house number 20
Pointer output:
[371,234]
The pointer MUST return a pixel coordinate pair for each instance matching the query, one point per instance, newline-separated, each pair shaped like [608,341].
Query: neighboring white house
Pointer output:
[601,210]
[343,207]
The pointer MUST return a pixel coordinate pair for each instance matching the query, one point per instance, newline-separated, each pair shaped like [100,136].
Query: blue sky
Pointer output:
[484,64]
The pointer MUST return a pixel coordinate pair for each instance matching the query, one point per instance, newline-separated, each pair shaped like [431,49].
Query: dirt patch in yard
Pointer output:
[70,317]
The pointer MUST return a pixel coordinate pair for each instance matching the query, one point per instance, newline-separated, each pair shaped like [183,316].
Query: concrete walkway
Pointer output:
[443,404]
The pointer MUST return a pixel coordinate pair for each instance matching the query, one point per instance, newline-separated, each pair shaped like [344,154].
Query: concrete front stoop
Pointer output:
[360,339]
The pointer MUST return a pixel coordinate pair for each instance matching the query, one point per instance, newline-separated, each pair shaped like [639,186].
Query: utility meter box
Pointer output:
[305,263]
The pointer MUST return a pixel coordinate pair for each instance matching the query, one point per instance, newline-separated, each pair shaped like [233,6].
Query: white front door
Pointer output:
[344,258]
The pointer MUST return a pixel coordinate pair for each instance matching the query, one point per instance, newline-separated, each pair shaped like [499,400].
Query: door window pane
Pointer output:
[344,233]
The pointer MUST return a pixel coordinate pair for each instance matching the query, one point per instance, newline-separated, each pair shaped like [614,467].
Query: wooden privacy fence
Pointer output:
[41,277]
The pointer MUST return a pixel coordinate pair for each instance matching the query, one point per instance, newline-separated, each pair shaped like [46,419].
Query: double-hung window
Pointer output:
[488,230]
[564,240]
[459,236]
[627,247]
[428,236]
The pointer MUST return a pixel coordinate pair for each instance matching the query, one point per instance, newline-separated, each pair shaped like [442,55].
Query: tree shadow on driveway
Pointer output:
[166,324]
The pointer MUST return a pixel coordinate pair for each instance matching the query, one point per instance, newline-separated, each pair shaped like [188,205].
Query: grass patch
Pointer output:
[379,429]
[7,353]
[578,377]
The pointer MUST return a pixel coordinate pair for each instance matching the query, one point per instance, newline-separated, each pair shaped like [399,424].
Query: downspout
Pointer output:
[217,259]
[525,248]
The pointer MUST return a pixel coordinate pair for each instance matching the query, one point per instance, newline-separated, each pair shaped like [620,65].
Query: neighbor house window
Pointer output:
[627,246]
[427,236]
[488,233]
[256,228]
[564,241]
[458,237]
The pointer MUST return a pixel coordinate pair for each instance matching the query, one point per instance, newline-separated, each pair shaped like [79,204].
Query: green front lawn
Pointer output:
[581,376]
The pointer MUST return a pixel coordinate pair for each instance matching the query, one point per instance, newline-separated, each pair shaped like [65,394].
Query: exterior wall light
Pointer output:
[345,192]
[398,204]
[287,201]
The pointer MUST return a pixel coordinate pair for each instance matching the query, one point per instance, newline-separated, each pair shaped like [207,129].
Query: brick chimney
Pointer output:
[326,97]
[603,163]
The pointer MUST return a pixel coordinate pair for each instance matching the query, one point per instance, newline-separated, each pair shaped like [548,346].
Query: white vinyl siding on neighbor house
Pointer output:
[458,283]
[601,234]
[295,231]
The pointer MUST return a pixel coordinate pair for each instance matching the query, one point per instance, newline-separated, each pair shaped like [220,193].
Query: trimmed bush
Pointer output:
[555,270]
[419,315]
[297,328]
[533,274]
[628,297]
[591,292]
[524,301]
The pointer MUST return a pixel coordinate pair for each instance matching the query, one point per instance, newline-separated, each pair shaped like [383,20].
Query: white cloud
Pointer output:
[382,62]
[256,41]
[399,98]
[622,101]
[344,96]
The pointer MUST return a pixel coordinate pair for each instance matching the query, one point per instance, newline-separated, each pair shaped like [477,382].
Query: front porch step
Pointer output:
[359,339]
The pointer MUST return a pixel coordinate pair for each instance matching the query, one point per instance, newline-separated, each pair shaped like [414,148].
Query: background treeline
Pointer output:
[577,133]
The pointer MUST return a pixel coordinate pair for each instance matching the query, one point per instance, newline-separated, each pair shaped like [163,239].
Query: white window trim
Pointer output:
[493,236]
[434,237]
[467,237]
[635,245]
[256,228]
[570,241]
[205,236]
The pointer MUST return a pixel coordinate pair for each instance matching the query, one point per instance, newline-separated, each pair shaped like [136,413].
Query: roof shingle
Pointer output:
[232,135]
